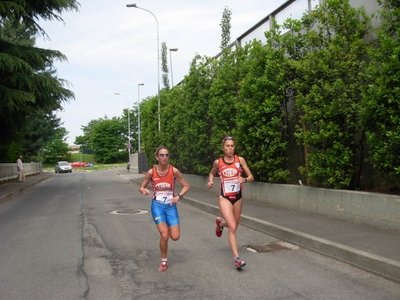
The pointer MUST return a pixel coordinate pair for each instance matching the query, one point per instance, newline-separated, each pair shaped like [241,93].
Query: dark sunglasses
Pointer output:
[163,155]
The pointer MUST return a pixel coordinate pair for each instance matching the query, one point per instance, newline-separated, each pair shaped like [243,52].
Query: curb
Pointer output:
[384,267]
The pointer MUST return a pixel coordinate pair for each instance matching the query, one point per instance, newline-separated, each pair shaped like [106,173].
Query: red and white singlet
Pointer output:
[229,174]
[163,187]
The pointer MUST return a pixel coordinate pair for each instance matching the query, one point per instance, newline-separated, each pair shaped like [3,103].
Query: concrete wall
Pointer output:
[139,163]
[134,163]
[9,171]
[368,208]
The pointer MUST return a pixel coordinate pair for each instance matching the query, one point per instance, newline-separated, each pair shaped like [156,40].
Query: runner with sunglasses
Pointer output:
[230,169]
[163,205]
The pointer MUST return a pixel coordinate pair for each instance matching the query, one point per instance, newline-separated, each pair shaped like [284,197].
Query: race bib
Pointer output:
[164,197]
[231,186]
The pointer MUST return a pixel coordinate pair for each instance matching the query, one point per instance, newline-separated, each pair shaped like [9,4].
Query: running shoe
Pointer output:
[163,266]
[239,263]
[218,229]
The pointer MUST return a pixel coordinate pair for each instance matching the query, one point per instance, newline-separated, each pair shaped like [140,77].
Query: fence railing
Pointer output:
[9,171]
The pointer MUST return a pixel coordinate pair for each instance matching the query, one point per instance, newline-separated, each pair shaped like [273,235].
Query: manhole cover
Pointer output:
[272,247]
[130,212]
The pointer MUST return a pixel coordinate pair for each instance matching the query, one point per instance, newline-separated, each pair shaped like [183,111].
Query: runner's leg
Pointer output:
[229,213]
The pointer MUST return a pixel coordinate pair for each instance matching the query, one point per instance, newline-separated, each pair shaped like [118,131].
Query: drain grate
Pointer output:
[272,247]
[130,212]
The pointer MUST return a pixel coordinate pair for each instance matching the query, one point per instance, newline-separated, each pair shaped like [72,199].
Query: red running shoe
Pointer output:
[163,266]
[218,229]
[239,263]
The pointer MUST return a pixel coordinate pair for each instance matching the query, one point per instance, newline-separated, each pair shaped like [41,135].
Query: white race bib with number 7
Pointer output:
[231,186]
[164,197]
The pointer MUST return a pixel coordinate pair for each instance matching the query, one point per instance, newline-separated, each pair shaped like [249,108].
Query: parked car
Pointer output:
[63,167]
[80,164]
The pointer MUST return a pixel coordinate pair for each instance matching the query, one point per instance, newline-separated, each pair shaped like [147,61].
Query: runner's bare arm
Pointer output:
[249,176]
[142,188]
[212,174]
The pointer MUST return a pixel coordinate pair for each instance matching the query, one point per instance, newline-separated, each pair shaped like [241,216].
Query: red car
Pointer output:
[80,164]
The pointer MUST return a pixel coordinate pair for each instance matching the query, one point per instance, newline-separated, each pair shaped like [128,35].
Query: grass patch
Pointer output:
[83,157]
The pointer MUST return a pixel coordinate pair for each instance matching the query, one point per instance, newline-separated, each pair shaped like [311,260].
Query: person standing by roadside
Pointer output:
[230,169]
[20,167]
[163,205]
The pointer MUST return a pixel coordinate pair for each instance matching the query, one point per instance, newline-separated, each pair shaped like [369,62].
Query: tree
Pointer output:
[224,94]
[109,141]
[107,138]
[28,12]
[328,89]
[28,79]
[194,137]
[57,149]
[42,128]
[150,138]
[381,97]
[262,113]
[85,140]
[164,65]
[225,28]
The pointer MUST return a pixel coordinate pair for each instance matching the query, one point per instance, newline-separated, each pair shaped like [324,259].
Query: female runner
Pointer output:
[163,205]
[230,169]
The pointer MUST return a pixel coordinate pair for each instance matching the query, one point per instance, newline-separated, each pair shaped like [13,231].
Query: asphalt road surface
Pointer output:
[89,235]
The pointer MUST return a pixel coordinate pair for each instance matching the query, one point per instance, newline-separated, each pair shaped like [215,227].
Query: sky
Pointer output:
[112,48]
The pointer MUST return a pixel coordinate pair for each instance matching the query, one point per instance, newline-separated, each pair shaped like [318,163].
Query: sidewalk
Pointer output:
[373,249]
[11,188]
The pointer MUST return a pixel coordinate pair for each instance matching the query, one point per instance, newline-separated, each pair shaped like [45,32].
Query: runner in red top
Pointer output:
[229,174]
[230,168]
[163,186]
[163,205]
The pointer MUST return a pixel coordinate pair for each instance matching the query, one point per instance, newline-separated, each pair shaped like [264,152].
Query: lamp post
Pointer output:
[170,59]
[139,127]
[158,62]
[129,129]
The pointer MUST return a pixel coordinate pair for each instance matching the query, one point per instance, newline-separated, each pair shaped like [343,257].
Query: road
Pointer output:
[63,239]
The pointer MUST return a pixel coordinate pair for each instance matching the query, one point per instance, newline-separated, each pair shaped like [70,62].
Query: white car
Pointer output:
[63,167]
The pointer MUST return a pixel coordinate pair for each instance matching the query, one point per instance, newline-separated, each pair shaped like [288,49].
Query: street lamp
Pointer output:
[170,59]
[158,62]
[129,129]
[139,129]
